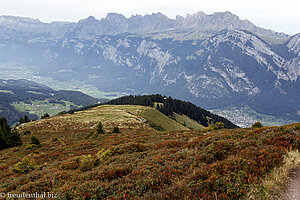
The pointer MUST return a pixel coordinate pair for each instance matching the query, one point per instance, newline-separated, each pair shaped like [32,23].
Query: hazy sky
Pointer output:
[283,16]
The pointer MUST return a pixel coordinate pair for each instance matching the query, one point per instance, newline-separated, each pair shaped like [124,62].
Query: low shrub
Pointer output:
[129,148]
[31,146]
[34,140]
[27,164]
[216,126]
[115,173]
[86,162]
[26,132]
[169,144]
[54,139]
[70,164]
[103,155]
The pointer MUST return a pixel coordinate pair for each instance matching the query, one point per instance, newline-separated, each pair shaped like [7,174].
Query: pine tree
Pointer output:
[24,120]
[8,137]
[116,130]
[100,128]
[45,116]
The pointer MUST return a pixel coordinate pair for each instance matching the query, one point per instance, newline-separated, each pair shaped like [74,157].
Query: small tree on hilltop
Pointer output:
[100,128]
[116,130]
[257,125]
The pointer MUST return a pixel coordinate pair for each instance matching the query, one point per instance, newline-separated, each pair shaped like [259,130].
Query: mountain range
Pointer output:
[115,23]
[213,60]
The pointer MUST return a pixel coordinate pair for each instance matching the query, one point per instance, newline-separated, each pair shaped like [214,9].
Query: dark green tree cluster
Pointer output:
[257,125]
[8,137]
[170,105]
[24,120]
[45,116]
[136,100]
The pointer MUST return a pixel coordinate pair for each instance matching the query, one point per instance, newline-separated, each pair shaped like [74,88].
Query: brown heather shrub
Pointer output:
[169,144]
[70,164]
[115,173]
[194,143]
[129,148]
[187,165]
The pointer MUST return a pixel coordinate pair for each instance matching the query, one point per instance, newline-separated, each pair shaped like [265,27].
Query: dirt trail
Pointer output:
[293,188]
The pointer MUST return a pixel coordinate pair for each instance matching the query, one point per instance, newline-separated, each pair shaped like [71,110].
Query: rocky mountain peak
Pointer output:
[5,19]
[115,17]
[226,14]
[294,44]
[90,20]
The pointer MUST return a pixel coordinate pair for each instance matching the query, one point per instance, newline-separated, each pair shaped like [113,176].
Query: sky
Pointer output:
[278,15]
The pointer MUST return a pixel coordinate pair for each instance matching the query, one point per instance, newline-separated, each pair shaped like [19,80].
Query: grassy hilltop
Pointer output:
[141,162]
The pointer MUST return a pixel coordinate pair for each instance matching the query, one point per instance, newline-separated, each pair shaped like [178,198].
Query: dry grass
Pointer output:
[190,123]
[274,183]
[126,117]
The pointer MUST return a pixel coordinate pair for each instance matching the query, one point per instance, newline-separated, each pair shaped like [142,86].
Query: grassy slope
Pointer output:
[183,119]
[158,118]
[192,124]
[123,116]
[143,163]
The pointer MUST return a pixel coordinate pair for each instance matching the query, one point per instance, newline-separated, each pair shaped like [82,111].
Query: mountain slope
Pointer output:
[230,68]
[223,164]
[19,97]
[120,56]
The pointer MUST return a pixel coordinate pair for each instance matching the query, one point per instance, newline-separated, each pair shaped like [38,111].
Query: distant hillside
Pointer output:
[19,97]
[129,119]
[169,106]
